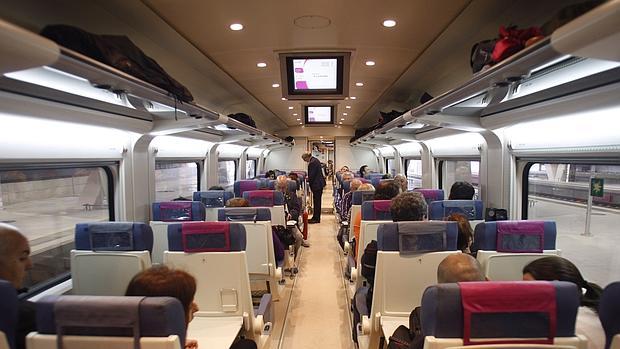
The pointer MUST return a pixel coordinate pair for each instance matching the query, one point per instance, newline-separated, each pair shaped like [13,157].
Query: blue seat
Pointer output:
[376,210]
[360,196]
[431,195]
[107,255]
[242,186]
[608,311]
[370,176]
[213,198]
[471,209]
[511,312]
[110,318]
[266,183]
[417,236]
[172,211]
[9,311]
[292,186]
[248,214]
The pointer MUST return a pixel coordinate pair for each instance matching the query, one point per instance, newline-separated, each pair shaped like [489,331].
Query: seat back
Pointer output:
[175,211]
[358,197]
[505,247]
[515,312]
[213,200]
[370,176]
[374,213]
[430,195]
[266,183]
[608,310]
[9,318]
[407,259]
[107,255]
[240,187]
[110,322]
[471,209]
[268,198]
[214,253]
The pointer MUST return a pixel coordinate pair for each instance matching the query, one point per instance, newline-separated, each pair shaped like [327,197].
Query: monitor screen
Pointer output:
[315,75]
[319,114]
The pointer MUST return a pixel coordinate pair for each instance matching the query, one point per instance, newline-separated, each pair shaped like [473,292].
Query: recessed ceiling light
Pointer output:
[236,26]
[283,98]
[359,84]
[290,107]
[294,114]
[342,119]
[340,122]
[389,23]
[321,136]
[275,85]
[348,107]
[301,123]
[298,119]
[370,63]
[346,98]
[345,114]
[261,64]
[353,97]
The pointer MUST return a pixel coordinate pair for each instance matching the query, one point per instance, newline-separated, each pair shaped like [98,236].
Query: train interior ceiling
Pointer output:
[82,141]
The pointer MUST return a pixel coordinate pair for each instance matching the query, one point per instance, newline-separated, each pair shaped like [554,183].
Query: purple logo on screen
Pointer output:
[299,70]
[301,85]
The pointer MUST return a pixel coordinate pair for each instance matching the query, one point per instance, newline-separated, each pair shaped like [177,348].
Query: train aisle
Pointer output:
[318,312]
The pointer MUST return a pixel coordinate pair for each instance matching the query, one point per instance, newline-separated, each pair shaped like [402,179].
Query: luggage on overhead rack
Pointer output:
[117,51]
[244,118]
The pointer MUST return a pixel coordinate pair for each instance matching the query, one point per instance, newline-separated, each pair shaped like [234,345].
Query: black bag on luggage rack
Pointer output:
[244,118]
[119,52]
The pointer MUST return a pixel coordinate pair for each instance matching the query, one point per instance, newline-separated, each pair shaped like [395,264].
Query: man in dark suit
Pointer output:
[316,180]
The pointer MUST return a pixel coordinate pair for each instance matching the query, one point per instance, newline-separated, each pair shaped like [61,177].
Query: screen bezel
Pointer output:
[332,115]
[288,78]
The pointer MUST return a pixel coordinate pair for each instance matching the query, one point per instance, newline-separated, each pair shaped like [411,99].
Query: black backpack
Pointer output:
[244,118]
[119,52]
[481,54]
[285,235]
[408,338]
[369,261]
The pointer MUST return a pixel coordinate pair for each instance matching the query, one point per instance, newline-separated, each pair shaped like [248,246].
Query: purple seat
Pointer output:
[264,198]
[376,210]
[431,195]
[515,236]
[242,186]
[360,196]
[206,237]
[172,211]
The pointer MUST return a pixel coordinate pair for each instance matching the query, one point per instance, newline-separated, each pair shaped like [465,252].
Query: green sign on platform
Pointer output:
[596,186]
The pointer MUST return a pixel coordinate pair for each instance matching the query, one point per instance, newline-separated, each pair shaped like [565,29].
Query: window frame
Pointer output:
[236,162]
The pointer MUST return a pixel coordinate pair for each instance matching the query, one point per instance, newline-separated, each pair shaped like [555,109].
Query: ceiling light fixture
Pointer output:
[290,107]
[359,84]
[340,122]
[283,98]
[294,114]
[261,64]
[345,114]
[275,85]
[298,119]
[342,119]
[370,63]
[353,97]
[348,107]
[236,26]
[389,23]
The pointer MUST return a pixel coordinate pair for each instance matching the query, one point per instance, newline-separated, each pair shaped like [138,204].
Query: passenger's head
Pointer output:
[557,268]
[408,206]
[461,191]
[386,176]
[293,176]
[459,267]
[401,182]
[363,170]
[366,187]
[344,169]
[306,156]
[347,176]
[465,236]
[237,202]
[216,187]
[271,174]
[282,183]
[161,281]
[386,190]
[355,183]
[14,255]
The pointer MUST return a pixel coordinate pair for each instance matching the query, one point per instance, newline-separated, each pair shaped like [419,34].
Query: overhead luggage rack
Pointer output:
[475,105]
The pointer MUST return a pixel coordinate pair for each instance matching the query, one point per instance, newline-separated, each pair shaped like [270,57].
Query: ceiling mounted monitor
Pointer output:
[315,75]
[319,114]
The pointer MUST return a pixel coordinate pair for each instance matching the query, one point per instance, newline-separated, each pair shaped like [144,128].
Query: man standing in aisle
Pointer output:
[316,180]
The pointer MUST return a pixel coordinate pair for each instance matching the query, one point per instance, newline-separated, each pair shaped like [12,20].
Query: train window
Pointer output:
[227,172]
[389,167]
[250,168]
[45,204]
[459,170]
[414,173]
[175,180]
[559,192]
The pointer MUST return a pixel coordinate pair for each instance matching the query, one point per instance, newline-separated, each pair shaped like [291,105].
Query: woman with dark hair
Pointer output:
[386,190]
[363,170]
[271,174]
[561,269]
[465,236]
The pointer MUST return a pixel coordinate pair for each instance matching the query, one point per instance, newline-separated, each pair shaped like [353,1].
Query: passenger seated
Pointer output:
[278,247]
[588,323]
[14,262]
[461,191]
[292,209]
[408,206]
[385,191]
[347,199]
[161,281]
[363,171]
[465,237]
[271,174]
[216,187]
[401,181]
[344,169]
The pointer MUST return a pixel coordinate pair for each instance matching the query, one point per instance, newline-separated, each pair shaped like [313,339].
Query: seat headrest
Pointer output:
[173,211]
[430,195]
[417,236]
[515,236]
[360,196]
[9,311]
[471,209]
[243,214]
[506,309]
[213,198]
[113,236]
[608,310]
[240,187]
[206,237]
[373,175]
[376,210]
[292,186]
[113,316]
[264,198]
[266,183]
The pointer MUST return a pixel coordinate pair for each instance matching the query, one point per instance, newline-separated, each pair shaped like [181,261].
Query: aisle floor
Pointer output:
[318,315]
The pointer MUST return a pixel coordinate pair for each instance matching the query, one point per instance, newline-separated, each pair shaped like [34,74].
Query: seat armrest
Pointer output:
[264,308]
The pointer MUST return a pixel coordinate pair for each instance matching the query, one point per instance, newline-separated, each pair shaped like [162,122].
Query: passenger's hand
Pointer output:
[191,344]
[288,217]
